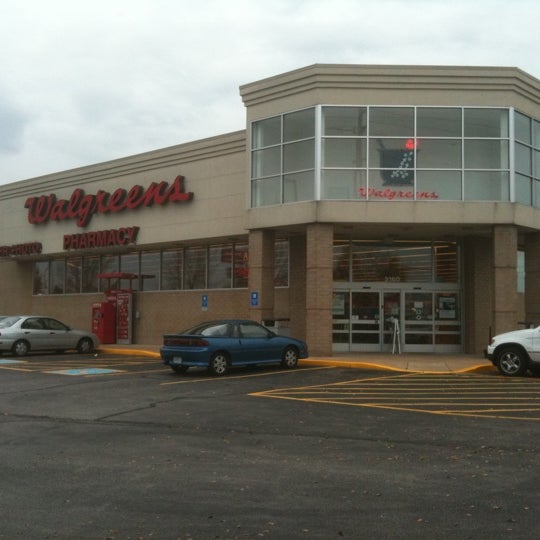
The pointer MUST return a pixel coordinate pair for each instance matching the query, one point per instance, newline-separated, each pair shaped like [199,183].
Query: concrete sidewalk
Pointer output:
[407,362]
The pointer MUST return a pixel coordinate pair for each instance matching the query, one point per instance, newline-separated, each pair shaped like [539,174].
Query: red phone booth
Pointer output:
[104,321]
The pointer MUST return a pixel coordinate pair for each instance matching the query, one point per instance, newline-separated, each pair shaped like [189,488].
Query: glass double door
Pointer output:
[396,321]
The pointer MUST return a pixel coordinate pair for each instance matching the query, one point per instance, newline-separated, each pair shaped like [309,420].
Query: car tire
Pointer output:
[85,346]
[512,361]
[219,364]
[20,348]
[289,358]
[179,369]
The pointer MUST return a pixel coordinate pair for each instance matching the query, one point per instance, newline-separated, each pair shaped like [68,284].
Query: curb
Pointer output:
[320,362]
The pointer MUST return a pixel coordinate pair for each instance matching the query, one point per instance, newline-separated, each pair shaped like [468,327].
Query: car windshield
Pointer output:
[6,322]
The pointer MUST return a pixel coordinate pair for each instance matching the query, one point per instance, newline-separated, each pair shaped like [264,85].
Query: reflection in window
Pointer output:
[344,121]
[341,260]
[485,154]
[281,263]
[220,260]
[266,132]
[57,276]
[391,121]
[298,187]
[343,184]
[73,275]
[438,122]
[520,271]
[172,261]
[109,264]
[149,273]
[241,265]
[299,125]
[487,186]
[195,268]
[350,153]
[90,271]
[492,123]
[41,277]
[397,262]
[129,264]
[444,185]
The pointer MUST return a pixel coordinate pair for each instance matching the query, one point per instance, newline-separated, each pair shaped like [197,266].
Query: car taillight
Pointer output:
[184,342]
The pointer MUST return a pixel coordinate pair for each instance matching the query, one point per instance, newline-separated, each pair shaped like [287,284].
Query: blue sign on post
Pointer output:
[254,299]
[204,302]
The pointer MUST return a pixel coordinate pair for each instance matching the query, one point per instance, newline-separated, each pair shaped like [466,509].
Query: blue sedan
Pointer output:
[219,345]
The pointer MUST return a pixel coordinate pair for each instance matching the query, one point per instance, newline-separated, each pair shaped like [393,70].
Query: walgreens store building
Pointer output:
[358,202]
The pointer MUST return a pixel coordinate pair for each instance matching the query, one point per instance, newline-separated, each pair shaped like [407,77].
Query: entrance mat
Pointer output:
[85,371]
[7,361]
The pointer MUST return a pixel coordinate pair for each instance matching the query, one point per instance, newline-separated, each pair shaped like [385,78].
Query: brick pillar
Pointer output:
[505,296]
[532,278]
[319,243]
[477,305]
[261,274]
[297,286]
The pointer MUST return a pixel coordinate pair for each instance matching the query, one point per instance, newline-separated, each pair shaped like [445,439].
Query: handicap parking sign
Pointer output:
[254,299]
[204,302]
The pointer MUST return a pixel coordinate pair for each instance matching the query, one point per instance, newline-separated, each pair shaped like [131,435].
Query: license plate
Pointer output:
[177,360]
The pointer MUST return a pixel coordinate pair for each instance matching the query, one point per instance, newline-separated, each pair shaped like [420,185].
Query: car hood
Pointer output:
[517,334]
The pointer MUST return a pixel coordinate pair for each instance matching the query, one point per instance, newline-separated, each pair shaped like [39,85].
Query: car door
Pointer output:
[256,344]
[534,351]
[33,331]
[59,337]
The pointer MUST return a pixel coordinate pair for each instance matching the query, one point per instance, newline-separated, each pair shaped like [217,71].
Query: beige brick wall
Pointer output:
[319,289]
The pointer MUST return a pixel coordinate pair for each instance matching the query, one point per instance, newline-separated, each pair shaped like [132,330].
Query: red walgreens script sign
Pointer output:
[82,207]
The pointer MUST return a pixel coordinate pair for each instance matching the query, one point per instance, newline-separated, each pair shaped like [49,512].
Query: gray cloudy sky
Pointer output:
[84,82]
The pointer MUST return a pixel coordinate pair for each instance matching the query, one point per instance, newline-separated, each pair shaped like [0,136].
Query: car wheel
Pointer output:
[179,369]
[85,346]
[219,364]
[20,348]
[512,361]
[289,358]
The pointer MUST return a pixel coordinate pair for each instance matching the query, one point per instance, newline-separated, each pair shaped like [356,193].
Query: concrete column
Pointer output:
[505,296]
[532,278]
[319,264]
[261,274]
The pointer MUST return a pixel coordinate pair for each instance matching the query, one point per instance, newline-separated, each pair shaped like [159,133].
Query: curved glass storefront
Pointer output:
[396,153]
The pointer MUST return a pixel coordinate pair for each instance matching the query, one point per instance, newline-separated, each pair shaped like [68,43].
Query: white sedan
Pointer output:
[21,334]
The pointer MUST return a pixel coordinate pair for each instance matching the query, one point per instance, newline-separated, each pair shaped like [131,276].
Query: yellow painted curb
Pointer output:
[137,352]
[370,365]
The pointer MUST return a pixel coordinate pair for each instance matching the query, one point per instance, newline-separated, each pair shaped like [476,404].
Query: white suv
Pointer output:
[515,352]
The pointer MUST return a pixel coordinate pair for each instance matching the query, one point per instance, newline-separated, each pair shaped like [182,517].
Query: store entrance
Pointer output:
[396,320]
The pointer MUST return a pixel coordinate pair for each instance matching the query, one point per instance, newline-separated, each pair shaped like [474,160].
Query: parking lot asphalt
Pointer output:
[118,447]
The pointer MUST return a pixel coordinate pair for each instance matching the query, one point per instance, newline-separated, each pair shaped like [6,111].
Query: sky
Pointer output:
[82,82]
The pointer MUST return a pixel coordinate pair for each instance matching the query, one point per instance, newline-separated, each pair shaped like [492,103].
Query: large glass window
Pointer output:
[438,122]
[41,277]
[149,274]
[90,271]
[57,276]
[394,153]
[241,265]
[396,262]
[172,264]
[344,121]
[391,121]
[283,159]
[195,268]
[220,262]
[73,274]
